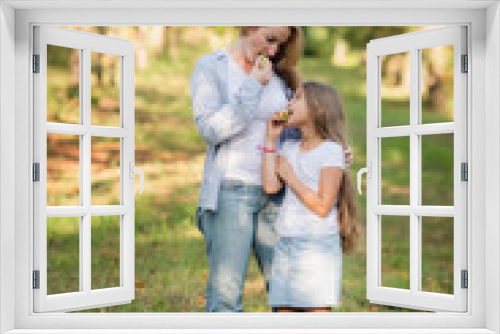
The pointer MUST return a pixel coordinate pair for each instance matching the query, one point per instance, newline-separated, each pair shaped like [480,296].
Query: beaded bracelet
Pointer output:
[266,150]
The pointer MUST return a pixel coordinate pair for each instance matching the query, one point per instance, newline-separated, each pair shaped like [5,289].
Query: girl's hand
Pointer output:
[262,70]
[274,129]
[283,168]
[348,157]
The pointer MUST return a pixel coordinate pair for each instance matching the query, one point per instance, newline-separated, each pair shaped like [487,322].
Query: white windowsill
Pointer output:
[485,236]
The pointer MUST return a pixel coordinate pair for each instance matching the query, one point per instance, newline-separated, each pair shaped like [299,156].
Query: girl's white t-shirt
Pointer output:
[294,218]
[244,159]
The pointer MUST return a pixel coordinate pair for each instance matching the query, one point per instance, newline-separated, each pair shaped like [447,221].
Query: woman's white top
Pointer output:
[294,218]
[244,159]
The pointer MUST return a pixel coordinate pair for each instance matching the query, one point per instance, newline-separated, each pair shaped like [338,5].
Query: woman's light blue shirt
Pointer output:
[218,120]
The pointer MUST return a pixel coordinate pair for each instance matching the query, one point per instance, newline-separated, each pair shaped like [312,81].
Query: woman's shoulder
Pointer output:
[212,57]
[209,65]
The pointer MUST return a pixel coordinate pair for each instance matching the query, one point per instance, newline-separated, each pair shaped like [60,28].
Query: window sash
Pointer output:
[414,298]
[173,14]
[86,297]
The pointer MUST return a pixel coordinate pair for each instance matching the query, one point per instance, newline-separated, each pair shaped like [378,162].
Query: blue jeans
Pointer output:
[245,220]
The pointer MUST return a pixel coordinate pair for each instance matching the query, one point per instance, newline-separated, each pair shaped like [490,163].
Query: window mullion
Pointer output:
[86,167]
[415,240]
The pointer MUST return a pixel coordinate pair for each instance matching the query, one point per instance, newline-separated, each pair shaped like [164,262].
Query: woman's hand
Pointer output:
[262,70]
[283,168]
[274,128]
[348,157]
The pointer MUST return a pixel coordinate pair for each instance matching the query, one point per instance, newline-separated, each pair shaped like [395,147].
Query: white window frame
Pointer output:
[16,21]
[123,50]
[412,45]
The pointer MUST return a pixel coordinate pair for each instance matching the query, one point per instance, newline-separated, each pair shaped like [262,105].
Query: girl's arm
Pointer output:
[271,183]
[321,202]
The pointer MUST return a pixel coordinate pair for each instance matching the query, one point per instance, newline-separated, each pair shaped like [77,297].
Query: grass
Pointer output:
[171,263]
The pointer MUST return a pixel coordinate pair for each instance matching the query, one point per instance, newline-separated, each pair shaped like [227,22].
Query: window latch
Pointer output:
[368,171]
[133,170]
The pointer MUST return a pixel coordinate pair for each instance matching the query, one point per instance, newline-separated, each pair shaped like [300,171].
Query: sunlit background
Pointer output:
[171,267]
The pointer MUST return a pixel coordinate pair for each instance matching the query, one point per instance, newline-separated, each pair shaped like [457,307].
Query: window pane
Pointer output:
[105,252]
[437,84]
[395,89]
[105,78]
[437,254]
[105,171]
[395,244]
[63,169]
[437,169]
[395,171]
[63,84]
[63,263]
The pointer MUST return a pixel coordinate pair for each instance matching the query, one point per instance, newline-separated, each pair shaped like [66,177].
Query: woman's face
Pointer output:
[297,105]
[266,41]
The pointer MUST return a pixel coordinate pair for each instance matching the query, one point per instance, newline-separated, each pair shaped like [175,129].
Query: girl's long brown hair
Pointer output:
[326,108]
[288,55]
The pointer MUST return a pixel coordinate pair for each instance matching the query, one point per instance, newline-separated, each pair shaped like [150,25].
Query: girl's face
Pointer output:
[266,41]
[297,105]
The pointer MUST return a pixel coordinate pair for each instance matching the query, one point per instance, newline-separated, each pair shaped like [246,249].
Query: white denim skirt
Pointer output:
[306,271]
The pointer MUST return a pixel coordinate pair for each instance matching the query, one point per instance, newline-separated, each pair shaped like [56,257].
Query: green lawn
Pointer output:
[171,264]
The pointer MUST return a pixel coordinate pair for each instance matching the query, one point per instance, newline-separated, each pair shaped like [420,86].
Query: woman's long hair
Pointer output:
[288,55]
[326,109]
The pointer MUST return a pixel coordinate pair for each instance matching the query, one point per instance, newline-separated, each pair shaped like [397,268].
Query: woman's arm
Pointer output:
[321,202]
[216,121]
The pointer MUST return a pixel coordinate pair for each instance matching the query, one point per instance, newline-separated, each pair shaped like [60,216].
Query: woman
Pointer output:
[232,99]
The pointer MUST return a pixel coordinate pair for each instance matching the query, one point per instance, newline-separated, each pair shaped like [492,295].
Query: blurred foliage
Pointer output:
[171,263]
[320,40]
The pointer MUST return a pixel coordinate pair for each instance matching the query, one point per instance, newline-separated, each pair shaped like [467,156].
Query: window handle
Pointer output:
[368,171]
[133,170]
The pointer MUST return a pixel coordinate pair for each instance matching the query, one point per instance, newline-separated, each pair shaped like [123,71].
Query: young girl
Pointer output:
[317,220]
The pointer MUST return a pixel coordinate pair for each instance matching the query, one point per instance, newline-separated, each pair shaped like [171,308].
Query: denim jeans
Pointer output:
[244,221]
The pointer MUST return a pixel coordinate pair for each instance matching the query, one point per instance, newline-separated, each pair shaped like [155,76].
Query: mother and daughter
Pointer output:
[281,191]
